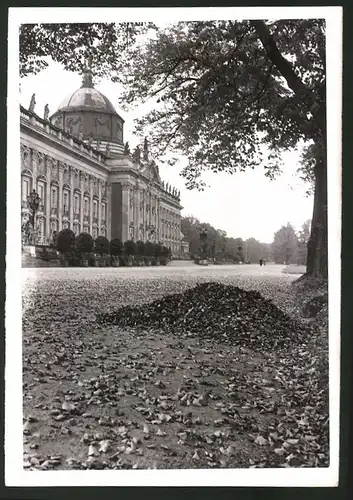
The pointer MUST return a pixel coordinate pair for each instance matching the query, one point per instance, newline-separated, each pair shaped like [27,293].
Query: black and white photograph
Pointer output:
[173,246]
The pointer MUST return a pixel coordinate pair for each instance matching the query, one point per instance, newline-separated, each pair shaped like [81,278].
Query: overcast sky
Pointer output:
[244,204]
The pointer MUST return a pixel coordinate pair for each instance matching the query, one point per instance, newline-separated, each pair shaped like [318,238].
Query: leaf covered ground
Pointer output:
[198,368]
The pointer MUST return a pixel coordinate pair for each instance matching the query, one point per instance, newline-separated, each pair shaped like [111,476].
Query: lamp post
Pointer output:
[203,240]
[33,200]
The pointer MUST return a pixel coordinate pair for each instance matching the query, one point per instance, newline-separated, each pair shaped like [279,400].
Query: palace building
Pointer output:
[88,180]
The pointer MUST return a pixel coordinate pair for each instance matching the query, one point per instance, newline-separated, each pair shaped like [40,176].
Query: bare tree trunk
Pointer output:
[317,261]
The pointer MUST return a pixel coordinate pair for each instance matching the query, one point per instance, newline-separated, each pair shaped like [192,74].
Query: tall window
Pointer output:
[86,206]
[76,204]
[53,198]
[66,207]
[25,189]
[95,208]
[41,192]
[103,211]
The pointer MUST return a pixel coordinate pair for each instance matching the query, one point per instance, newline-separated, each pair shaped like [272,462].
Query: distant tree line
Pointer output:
[219,245]
[288,246]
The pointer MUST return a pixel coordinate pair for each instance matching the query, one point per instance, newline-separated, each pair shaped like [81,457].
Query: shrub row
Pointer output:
[83,247]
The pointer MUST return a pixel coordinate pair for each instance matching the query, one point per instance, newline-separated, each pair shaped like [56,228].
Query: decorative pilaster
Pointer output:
[100,185]
[71,209]
[137,213]
[47,204]
[158,218]
[82,188]
[90,183]
[125,209]
[60,196]
[109,212]
[33,161]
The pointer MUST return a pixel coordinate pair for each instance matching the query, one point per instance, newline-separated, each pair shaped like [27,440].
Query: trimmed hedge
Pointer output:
[116,247]
[130,247]
[66,241]
[101,245]
[84,243]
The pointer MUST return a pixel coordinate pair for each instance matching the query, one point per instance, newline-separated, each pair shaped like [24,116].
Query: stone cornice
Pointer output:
[162,194]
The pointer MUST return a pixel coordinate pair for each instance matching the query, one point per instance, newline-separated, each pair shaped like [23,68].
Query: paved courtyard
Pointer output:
[103,397]
[98,289]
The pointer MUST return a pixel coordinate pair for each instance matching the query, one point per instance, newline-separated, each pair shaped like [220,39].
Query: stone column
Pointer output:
[99,210]
[149,212]
[60,196]
[144,214]
[90,181]
[82,188]
[125,208]
[154,214]
[71,211]
[137,213]
[34,169]
[48,201]
[132,214]
[109,212]
[158,219]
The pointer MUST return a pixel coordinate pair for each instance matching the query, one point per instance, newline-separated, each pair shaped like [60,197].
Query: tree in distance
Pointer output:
[285,245]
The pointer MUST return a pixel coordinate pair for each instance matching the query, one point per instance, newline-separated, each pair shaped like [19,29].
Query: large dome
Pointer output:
[87,98]
[90,116]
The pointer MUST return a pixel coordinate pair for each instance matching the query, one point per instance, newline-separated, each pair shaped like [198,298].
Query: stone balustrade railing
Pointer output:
[37,122]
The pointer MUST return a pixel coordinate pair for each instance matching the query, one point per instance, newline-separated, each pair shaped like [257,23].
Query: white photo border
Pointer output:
[15,475]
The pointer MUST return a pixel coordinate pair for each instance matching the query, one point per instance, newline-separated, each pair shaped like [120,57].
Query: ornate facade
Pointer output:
[88,181]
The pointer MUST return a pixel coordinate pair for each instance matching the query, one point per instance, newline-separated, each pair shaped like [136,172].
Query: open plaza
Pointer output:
[99,395]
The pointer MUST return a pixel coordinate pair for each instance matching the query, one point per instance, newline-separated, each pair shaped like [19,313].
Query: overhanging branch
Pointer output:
[287,71]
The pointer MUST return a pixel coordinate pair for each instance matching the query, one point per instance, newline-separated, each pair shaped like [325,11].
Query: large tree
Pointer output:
[254,250]
[72,44]
[225,90]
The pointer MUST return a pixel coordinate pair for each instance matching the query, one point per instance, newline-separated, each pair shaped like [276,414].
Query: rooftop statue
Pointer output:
[32,103]
[87,80]
[107,149]
[137,154]
[126,149]
[46,112]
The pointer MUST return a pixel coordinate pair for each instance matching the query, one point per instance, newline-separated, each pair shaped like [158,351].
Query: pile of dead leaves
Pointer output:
[217,311]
